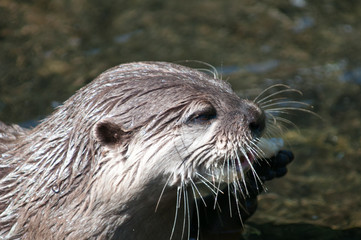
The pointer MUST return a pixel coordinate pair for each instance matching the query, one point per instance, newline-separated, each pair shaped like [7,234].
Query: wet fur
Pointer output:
[118,150]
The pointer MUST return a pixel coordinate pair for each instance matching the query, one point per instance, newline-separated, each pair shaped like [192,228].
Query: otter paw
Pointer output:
[274,167]
[267,170]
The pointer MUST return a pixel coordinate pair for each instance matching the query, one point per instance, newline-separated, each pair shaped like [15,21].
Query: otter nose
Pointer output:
[258,125]
[256,119]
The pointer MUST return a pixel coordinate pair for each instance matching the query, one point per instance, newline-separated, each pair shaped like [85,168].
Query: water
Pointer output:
[49,49]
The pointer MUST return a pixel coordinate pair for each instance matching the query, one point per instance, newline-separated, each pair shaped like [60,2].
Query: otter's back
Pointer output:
[8,136]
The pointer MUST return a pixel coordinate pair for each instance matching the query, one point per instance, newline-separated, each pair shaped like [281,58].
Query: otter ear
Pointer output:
[109,133]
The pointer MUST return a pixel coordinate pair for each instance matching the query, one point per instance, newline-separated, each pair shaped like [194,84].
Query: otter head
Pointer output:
[139,136]
[165,125]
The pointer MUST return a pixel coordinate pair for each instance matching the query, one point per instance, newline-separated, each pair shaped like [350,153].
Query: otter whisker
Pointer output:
[272,100]
[229,192]
[237,202]
[254,173]
[242,174]
[286,121]
[194,186]
[271,119]
[162,192]
[209,184]
[238,182]
[276,126]
[243,178]
[215,76]
[188,211]
[281,110]
[179,198]
[256,151]
[239,162]
[270,97]
[287,90]
[286,102]
[196,206]
[267,89]
[212,175]
[274,130]
[214,72]
[239,187]
[219,182]
[184,209]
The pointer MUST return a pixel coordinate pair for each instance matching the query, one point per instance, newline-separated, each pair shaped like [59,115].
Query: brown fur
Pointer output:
[96,167]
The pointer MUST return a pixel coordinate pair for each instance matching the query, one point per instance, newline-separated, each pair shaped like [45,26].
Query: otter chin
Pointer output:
[137,154]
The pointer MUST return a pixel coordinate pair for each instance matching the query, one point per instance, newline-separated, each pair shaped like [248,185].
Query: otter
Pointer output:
[132,155]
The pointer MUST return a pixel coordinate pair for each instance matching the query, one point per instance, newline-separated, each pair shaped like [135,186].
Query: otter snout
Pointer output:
[256,119]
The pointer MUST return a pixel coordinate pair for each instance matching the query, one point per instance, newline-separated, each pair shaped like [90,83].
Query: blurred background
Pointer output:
[49,49]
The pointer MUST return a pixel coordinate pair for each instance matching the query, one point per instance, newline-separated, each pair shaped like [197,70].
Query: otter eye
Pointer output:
[203,117]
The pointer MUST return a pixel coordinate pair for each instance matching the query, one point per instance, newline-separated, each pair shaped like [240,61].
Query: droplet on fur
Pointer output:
[55,188]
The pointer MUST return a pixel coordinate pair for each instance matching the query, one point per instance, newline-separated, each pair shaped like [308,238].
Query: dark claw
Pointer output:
[280,172]
[282,159]
[267,176]
[274,166]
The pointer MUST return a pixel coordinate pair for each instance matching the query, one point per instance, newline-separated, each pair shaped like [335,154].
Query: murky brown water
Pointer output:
[48,49]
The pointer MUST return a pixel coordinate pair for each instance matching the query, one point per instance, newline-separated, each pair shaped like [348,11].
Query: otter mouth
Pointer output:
[234,169]
[267,148]
[243,163]
[226,172]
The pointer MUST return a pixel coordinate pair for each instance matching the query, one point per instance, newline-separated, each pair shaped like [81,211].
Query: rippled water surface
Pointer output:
[49,49]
